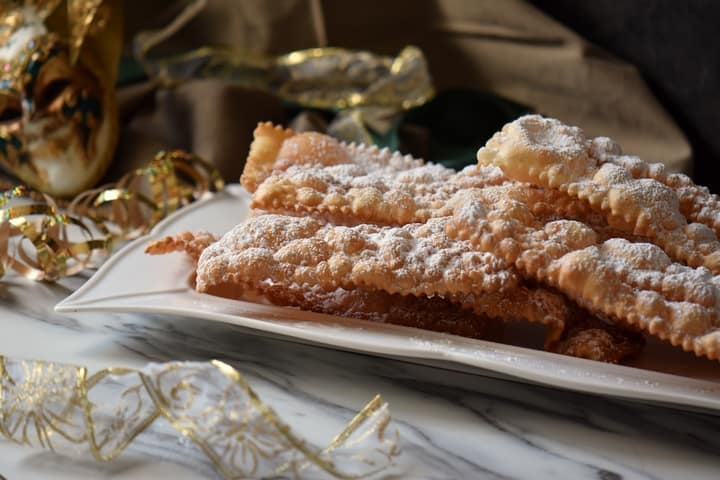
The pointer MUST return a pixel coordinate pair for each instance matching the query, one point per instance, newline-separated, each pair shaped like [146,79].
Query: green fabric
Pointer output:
[389,140]
[461,120]
[129,72]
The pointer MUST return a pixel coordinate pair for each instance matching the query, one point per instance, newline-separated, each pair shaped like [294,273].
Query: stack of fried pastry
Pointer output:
[550,227]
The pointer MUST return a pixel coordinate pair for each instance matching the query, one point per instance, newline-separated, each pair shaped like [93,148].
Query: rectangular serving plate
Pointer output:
[132,281]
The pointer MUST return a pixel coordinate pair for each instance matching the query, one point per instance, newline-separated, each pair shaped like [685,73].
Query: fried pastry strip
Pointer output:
[605,343]
[547,153]
[639,283]
[531,304]
[417,259]
[635,283]
[475,316]
[276,149]
[591,338]
[696,202]
[434,313]
[353,194]
[191,243]
[428,313]
[267,141]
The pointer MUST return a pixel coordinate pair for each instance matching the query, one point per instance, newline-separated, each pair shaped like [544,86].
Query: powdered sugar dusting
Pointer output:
[370,193]
[463,235]
[552,155]
[416,258]
[550,135]
[696,202]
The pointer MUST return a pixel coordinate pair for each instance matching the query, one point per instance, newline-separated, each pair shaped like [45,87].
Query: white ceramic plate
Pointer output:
[132,281]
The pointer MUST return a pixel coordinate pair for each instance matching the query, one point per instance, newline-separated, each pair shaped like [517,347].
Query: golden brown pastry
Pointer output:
[550,228]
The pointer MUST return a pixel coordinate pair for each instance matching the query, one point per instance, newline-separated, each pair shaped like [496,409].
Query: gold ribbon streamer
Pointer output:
[326,77]
[43,240]
[59,407]
[370,91]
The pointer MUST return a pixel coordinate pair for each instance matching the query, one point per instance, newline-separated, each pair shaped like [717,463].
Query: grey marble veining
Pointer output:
[451,424]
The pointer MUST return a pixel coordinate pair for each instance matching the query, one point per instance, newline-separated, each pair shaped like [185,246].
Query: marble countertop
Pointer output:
[452,425]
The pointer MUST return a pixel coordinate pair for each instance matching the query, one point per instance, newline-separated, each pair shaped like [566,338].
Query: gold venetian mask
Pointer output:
[58,118]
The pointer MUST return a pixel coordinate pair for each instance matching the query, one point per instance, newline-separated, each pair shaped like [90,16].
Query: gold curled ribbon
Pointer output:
[44,240]
[60,407]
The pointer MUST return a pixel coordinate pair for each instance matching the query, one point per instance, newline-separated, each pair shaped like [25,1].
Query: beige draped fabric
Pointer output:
[509,48]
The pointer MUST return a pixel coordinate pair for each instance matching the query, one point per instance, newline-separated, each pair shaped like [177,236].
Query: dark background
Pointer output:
[676,46]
